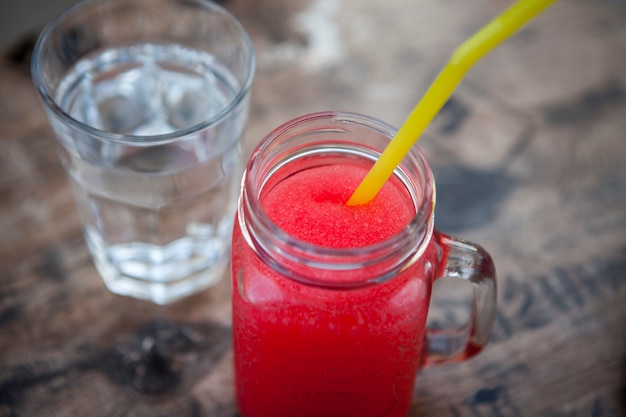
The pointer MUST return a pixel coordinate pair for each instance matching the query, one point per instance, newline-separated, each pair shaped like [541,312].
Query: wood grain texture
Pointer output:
[529,158]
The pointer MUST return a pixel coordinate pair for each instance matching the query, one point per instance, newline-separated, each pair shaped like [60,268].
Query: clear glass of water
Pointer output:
[148,101]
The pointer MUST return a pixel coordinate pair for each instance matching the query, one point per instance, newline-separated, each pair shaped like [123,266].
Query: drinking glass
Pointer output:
[148,101]
[321,331]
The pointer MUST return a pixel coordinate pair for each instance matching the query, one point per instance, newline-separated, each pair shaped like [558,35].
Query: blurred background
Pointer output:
[21,18]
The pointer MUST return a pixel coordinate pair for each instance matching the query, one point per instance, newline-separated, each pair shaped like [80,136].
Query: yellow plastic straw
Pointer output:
[466,55]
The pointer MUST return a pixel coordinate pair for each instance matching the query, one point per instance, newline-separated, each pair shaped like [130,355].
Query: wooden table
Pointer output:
[530,159]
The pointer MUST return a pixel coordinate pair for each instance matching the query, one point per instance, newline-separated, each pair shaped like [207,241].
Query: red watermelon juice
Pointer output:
[306,350]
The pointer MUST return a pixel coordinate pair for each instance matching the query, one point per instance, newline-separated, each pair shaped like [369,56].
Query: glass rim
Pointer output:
[137,140]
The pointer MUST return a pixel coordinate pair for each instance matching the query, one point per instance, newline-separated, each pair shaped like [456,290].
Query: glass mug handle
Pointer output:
[469,262]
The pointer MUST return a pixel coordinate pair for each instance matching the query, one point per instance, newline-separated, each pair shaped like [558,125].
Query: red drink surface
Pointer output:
[308,351]
[316,211]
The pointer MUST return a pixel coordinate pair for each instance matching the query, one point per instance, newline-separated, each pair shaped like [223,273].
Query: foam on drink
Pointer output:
[311,205]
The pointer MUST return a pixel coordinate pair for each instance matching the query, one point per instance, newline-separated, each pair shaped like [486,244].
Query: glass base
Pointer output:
[159,274]
[161,293]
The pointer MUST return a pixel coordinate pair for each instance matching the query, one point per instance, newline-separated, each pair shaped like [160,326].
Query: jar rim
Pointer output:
[264,236]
